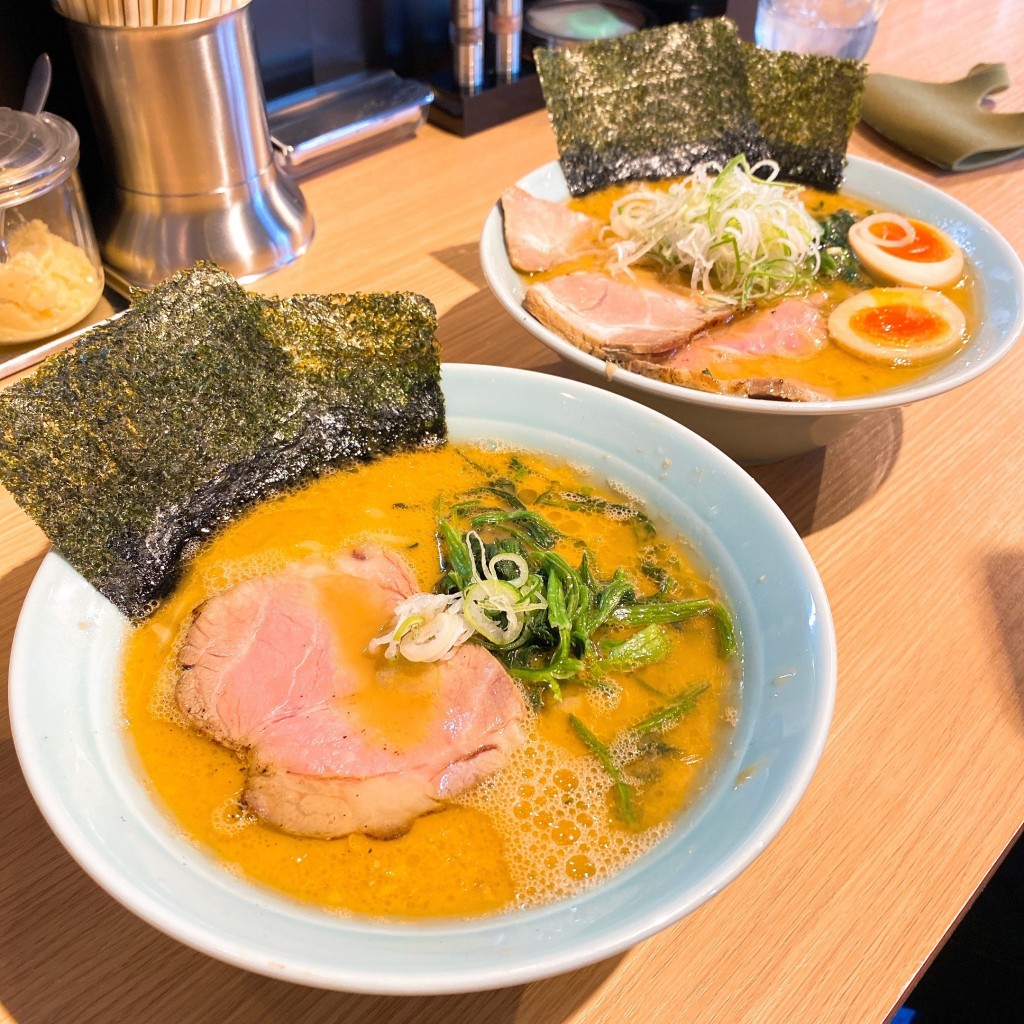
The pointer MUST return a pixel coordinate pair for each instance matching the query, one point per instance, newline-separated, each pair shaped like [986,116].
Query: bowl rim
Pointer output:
[494,262]
[240,952]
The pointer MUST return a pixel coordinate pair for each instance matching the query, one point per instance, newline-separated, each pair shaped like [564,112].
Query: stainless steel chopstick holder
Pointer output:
[180,116]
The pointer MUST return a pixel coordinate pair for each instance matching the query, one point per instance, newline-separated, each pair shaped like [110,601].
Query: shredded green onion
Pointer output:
[495,609]
[647,647]
[667,716]
[522,569]
[623,790]
[425,627]
[742,234]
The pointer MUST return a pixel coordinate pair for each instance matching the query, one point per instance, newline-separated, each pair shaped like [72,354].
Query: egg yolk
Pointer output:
[925,247]
[898,326]
[911,324]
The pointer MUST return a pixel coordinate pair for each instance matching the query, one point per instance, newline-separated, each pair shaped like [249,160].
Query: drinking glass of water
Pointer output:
[830,28]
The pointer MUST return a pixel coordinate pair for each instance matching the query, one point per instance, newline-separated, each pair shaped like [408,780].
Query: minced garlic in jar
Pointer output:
[47,283]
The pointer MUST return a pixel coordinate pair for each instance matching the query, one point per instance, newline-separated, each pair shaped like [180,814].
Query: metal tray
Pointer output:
[346,118]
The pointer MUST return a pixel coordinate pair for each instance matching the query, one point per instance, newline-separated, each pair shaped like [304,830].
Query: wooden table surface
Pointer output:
[915,524]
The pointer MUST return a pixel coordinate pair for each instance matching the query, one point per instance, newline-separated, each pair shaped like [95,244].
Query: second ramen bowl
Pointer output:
[756,431]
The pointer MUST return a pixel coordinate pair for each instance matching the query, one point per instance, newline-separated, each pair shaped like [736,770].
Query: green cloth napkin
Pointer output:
[942,121]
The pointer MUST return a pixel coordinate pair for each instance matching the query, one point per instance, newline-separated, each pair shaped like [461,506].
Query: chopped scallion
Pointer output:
[623,789]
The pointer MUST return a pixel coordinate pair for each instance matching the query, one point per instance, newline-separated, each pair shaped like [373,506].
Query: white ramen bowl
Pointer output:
[754,430]
[64,688]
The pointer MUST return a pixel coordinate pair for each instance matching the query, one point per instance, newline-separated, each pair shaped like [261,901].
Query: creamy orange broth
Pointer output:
[545,825]
[832,371]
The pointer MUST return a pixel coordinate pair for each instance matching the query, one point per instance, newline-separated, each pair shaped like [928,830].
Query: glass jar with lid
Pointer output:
[51,276]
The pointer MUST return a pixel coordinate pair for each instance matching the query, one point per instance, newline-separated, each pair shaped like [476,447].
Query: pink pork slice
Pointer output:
[607,315]
[338,740]
[793,327]
[541,234]
[714,360]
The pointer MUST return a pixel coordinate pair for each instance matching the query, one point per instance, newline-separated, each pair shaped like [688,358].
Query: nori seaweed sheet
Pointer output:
[650,105]
[201,400]
[656,103]
[807,107]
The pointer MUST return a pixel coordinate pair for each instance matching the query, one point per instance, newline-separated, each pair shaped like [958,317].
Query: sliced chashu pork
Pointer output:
[794,328]
[714,359]
[338,740]
[609,316]
[541,234]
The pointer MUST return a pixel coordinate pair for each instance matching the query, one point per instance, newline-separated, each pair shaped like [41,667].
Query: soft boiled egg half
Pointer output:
[898,326]
[906,251]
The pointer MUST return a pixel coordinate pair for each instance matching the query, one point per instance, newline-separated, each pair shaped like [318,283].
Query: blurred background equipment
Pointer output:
[206,184]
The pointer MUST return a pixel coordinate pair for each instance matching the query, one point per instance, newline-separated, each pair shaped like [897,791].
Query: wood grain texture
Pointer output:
[914,522]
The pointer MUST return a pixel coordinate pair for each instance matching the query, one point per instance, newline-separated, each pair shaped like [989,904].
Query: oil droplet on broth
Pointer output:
[550,854]
[565,832]
[228,817]
[580,868]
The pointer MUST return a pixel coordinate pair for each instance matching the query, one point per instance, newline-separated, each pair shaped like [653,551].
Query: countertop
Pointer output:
[914,521]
